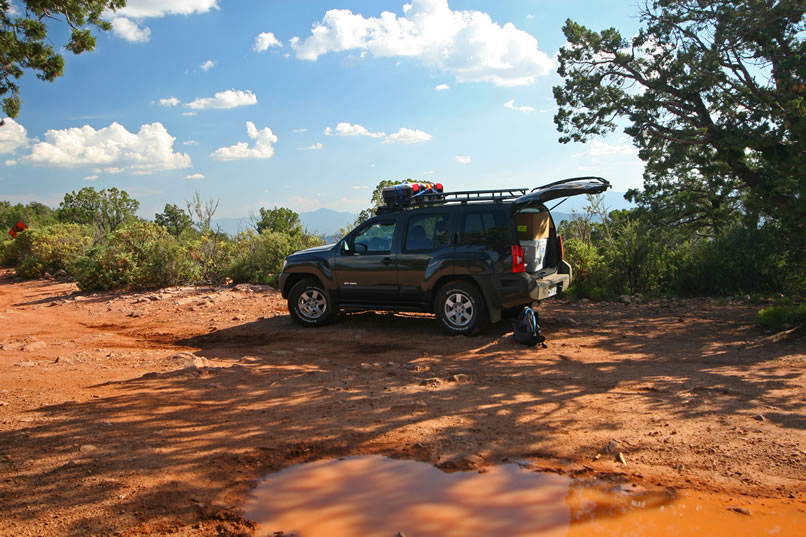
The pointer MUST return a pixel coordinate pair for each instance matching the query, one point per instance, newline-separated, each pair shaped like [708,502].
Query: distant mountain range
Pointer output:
[328,222]
[612,201]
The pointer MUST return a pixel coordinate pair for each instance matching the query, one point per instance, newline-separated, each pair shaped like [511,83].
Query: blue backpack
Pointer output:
[526,328]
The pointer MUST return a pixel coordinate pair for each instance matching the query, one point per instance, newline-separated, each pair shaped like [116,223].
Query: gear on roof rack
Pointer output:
[407,194]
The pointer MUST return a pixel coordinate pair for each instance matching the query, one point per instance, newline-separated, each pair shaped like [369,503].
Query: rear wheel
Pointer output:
[310,304]
[460,308]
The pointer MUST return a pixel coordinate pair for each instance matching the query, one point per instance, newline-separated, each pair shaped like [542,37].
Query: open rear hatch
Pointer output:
[538,242]
[561,189]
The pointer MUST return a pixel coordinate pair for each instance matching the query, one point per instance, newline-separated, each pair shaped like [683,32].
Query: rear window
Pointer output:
[484,228]
[427,232]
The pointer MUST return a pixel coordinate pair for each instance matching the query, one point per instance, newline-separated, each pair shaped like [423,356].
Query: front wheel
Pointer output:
[310,304]
[460,308]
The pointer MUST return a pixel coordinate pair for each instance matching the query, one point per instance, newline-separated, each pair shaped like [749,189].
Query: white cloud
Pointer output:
[112,147]
[428,172]
[407,136]
[598,148]
[315,147]
[511,105]
[224,100]
[463,159]
[13,136]
[170,101]
[11,163]
[442,87]
[297,131]
[194,176]
[112,171]
[348,129]
[130,31]
[91,178]
[264,41]
[403,136]
[190,142]
[140,9]
[206,66]
[124,23]
[466,43]
[262,148]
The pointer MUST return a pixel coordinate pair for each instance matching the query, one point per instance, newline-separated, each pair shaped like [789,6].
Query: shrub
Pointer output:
[9,253]
[212,256]
[583,257]
[740,260]
[779,316]
[588,270]
[636,259]
[258,258]
[49,249]
[140,255]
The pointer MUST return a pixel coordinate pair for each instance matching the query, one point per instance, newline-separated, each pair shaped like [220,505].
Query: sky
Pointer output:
[308,104]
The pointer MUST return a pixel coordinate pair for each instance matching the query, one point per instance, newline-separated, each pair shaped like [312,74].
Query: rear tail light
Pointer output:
[518,263]
[562,248]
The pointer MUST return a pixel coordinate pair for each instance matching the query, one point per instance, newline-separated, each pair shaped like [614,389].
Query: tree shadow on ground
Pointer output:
[288,394]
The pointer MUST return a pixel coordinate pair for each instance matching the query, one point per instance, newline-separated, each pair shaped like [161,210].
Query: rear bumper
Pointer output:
[513,290]
[549,286]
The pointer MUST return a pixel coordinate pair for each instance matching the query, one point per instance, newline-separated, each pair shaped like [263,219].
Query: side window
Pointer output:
[484,228]
[376,239]
[427,232]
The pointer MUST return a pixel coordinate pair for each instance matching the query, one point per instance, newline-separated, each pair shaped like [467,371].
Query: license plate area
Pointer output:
[553,290]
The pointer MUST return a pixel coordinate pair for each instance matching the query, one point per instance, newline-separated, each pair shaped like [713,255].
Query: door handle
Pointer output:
[387,261]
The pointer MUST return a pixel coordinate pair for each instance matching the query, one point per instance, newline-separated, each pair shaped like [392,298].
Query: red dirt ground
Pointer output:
[154,413]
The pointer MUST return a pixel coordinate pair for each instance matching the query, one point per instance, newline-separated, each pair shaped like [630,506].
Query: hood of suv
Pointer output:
[562,189]
[315,249]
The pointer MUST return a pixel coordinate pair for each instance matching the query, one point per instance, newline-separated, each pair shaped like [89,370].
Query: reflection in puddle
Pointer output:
[379,497]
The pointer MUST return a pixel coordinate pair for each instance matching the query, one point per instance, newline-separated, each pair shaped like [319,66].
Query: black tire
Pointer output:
[460,308]
[310,304]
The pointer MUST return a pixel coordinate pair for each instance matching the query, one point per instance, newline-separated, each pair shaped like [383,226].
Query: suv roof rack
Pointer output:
[461,197]
[464,196]
[470,196]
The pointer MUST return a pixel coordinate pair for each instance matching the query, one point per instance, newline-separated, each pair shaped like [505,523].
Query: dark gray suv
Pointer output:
[465,256]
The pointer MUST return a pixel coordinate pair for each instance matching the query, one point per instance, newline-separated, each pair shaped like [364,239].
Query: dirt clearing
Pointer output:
[154,413]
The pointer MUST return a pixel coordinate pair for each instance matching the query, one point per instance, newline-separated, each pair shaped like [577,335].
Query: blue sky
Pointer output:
[308,104]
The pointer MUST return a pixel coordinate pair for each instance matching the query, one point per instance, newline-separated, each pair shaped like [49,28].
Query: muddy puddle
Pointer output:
[380,497]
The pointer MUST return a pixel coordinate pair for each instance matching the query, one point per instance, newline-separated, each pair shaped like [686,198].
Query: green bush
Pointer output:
[258,258]
[635,258]
[740,260]
[9,253]
[49,249]
[589,272]
[212,255]
[778,316]
[583,257]
[137,256]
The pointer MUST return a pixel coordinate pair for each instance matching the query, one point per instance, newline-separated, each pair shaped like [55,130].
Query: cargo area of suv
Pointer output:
[465,256]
